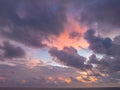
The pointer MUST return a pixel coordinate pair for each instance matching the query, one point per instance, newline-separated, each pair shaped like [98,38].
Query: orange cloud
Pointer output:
[64,39]
[63,79]
[93,79]
[34,62]
[50,78]
[67,80]
[87,79]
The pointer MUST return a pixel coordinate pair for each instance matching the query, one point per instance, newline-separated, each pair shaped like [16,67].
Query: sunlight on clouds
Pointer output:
[64,39]
[50,78]
[79,78]
[67,80]
[93,79]
[85,78]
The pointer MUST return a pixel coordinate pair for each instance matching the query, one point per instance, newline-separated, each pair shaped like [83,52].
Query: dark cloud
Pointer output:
[93,59]
[97,43]
[106,11]
[31,22]
[101,64]
[37,15]
[106,65]
[11,51]
[70,57]
[101,45]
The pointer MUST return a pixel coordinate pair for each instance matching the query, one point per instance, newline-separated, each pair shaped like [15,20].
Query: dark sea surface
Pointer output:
[60,88]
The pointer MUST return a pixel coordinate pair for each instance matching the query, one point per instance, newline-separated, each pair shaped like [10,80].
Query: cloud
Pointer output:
[34,63]
[74,35]
[66,80]
[105,67]
[61,24]
[98,44]
[94,60]
[70,57]
[104,13]
[31,22]
[102,65]
[7,63]
[10,51]
[101,45]
[117,40]
[110,50]
[116,75]
[91,79]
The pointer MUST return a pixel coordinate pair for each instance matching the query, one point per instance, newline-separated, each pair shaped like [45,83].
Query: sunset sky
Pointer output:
[59,43]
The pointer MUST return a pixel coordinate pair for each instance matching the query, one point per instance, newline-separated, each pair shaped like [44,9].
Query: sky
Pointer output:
[59,43]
